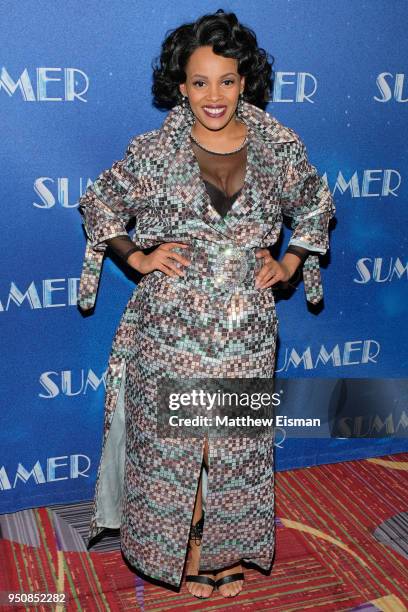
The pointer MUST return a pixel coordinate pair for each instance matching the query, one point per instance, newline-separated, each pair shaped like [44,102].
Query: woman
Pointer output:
[208,189]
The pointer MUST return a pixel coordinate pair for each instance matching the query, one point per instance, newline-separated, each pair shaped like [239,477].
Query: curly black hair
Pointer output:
[228,38]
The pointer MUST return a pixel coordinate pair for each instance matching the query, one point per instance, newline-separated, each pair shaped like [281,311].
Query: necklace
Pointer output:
[241,146]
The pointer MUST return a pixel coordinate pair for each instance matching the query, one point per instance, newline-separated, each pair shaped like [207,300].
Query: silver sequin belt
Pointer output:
[219,267]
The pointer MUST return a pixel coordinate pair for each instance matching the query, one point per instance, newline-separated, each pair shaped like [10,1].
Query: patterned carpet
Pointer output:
[342,544]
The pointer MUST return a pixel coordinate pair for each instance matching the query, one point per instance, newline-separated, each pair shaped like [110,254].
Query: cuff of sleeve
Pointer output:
[307,245]
[98,240]
[97,237]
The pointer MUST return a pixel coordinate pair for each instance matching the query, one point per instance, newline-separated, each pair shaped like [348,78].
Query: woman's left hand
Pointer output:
[271,272]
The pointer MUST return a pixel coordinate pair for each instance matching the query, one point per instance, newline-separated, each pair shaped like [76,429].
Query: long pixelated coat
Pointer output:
[145,486]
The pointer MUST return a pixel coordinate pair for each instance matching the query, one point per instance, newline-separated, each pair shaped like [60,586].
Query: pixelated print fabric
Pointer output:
[212,323]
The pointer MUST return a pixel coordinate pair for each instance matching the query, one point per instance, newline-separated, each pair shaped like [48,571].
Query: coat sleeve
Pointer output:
[307,200]
[106,207]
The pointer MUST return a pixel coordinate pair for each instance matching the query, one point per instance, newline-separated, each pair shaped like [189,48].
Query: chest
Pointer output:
[223,176]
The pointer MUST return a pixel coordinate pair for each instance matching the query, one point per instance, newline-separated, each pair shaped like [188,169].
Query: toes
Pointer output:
[202,593]
[197,589]
[231,590]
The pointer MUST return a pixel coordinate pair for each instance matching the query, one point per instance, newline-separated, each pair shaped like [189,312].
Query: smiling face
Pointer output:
[213,86]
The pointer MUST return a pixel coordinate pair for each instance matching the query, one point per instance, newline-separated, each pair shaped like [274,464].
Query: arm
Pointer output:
[294,257]
[306,198]
[123,246]
[106,207]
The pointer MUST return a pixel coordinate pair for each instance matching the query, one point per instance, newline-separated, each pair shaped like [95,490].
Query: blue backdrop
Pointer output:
[74,88]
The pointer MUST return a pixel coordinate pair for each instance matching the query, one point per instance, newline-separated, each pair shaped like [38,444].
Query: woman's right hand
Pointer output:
[162,258]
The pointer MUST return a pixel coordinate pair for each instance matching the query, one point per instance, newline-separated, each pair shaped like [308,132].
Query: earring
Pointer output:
[186,108]
[240,105]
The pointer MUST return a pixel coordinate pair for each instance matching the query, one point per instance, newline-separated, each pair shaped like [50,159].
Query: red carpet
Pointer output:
[342,544]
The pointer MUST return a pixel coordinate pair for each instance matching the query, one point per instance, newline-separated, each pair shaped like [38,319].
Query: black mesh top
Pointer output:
[223,176]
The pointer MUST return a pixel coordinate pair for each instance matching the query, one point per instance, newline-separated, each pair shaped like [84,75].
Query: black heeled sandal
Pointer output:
[196,534]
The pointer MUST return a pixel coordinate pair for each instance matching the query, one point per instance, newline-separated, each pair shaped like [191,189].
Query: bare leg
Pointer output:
[197,589]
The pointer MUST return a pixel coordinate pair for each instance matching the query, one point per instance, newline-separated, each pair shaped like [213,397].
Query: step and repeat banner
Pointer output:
[75,87]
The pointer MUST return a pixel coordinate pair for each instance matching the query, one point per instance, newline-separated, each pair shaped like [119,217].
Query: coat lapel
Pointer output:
[194,193]
[185,168]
